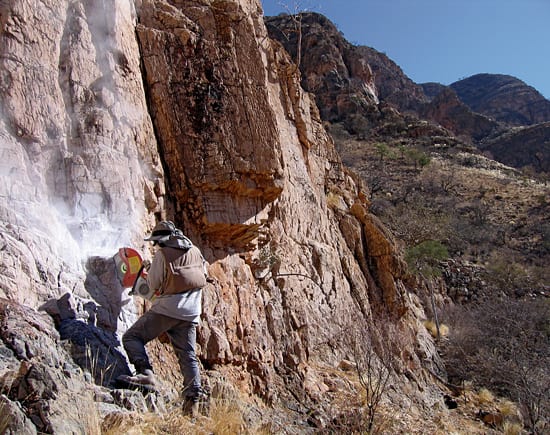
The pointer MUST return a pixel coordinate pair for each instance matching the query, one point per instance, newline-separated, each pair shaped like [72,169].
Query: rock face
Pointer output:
[344,78]
[262,169]
[73,113]
[393,86]
[38,374]
[504,98]
[117,114]
[448,111]
[211,101]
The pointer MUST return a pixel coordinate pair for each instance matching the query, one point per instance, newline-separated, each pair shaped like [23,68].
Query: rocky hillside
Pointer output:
[522,147]
[116,115]
[371,96]
[452,125]
[345,79]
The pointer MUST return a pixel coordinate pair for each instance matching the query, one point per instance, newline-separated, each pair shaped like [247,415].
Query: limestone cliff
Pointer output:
[117,114]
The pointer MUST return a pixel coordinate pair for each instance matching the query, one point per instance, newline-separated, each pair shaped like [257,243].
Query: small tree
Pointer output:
[383,150]
[376,349]
[418,157]
[295,11]
[424,258]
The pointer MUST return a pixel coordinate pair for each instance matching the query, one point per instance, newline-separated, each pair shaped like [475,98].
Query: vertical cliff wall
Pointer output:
[115,113]
[80,176]
[254,176]
[79,157]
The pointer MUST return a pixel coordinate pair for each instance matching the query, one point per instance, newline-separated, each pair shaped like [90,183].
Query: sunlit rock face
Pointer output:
[80,176]
[257,182]
[207,84]
[78,150]
[114,115]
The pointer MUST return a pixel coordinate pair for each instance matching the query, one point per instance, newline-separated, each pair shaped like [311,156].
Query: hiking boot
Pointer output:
[191,407]
[198,403]
[144,382]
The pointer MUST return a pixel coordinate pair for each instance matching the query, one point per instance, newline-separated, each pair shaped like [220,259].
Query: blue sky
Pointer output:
[445,40]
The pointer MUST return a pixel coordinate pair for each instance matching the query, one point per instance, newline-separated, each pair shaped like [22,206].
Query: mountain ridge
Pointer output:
[475,109]
[493,95]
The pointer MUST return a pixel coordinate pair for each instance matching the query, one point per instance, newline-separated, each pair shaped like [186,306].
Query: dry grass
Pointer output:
[99,369]
[224,416]
[149,424]
[508,409]
[484,397]
[509,428]
[335,201]
[5,416]
[432,328]
[399,415]
[493,414]
[92,417]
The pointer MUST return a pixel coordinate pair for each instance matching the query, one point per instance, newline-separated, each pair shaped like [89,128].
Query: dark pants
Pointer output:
[183,335]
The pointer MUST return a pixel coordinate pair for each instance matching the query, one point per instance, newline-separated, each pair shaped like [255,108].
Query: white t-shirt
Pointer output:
[184,306]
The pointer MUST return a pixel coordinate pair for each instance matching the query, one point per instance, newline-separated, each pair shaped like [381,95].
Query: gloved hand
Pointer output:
[146,264]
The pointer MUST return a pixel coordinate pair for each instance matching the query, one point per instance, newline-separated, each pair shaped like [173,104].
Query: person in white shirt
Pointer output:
[176,275]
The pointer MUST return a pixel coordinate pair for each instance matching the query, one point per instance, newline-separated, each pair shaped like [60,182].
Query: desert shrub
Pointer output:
[504,271]
[358,125]
[504,346]
[376,352]
[383,151]
[485,396]
[513,277]
[425,257]
[418,157]
[510,428]
[414,221]
[440,181]
[545,238]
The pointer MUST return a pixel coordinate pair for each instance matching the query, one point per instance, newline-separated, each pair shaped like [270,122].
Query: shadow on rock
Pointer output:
[95,351]
[89,325]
